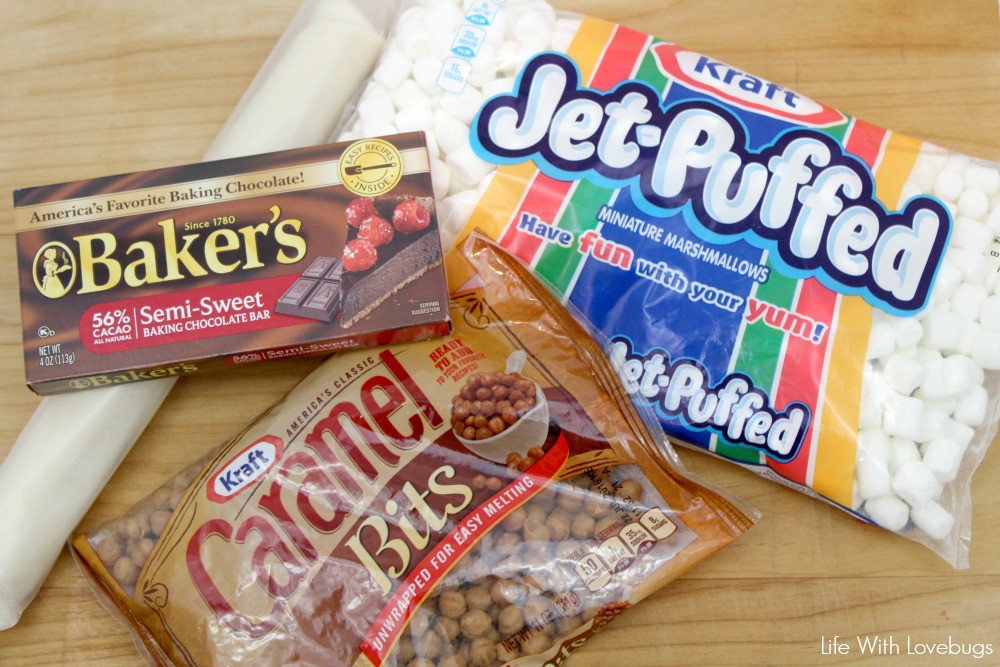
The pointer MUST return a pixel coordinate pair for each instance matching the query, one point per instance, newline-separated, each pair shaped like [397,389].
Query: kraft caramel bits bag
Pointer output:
[488,498]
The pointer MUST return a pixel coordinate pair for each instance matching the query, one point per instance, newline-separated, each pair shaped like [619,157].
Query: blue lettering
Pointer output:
[733,408]
[801,198]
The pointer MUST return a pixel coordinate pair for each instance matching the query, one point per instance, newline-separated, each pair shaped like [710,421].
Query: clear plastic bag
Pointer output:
[491,497]
[893,399]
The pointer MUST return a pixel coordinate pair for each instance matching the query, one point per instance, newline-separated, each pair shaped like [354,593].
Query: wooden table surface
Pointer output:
[90,88]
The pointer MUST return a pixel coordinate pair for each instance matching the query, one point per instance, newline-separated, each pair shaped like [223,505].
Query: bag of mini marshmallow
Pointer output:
[790,288]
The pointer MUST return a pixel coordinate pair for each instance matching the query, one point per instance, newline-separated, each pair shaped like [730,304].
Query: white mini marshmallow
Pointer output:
[411,20]
[923,176]
[978,374]
[889,512]
[973,204]
[970,329]
[874,479]
[986,349]
[874,443]
[902,416]
[441,178]
[903,373]
[952,209]
[408,94]
[909,191]
[497,32]
[416,117]
[393,69]
[949,185]
[992,283]
[485,183]
[462,106]
[454,212]
[561,40]
[450,132]
[946,405]
[484,67]
[443,18]
[410,39]
[903,450]
[567,24]
[956,162]
[993,219]
[915,483]
[960,374]
[426,71]
[959,433]
[376,107]
[529,49]
[870,413]
[941,330]
[967,300]
[926,355]
[433,150]
[378,129]
[948,278]
[508,58]
[933,425]
[942,457]
[881,341]
[498,86]
[933,519]
[982,177]
[971,235]
[906,331]
[989,313]
[934,157]
[467,167]
[532,27]
[933,388]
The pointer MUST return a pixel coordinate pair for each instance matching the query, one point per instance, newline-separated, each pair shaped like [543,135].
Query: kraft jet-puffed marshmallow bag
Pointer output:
[788,287]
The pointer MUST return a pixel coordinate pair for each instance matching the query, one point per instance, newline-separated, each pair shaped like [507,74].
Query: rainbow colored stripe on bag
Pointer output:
[729,236]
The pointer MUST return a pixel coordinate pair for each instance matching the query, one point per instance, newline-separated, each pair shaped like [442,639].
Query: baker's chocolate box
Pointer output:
[172,271]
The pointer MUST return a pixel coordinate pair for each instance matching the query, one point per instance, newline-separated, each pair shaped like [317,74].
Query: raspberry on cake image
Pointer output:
[381,258]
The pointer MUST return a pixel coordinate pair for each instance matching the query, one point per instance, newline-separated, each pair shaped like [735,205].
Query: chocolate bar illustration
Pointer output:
[316,293]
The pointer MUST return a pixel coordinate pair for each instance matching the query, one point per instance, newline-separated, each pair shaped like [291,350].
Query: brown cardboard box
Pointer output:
[170,271]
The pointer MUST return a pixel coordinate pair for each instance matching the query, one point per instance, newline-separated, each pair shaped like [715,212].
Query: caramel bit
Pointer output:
[495,401]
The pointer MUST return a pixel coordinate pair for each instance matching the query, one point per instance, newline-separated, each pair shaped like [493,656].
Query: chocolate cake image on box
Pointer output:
[392,241]
[413,249]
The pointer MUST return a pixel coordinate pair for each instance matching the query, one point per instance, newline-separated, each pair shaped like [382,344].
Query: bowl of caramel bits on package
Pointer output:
[352,524]
[500,415]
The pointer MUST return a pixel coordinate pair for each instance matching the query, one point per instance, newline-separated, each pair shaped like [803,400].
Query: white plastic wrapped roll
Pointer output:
[74,443]
[63,458]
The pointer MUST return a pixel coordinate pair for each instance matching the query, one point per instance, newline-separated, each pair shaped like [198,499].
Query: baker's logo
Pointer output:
[131,376]
[54,269]
[371,167]
[741,89]
[180,250]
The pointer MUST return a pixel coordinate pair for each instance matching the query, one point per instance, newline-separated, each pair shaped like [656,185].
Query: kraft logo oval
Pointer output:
[244,469]
[744,90]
